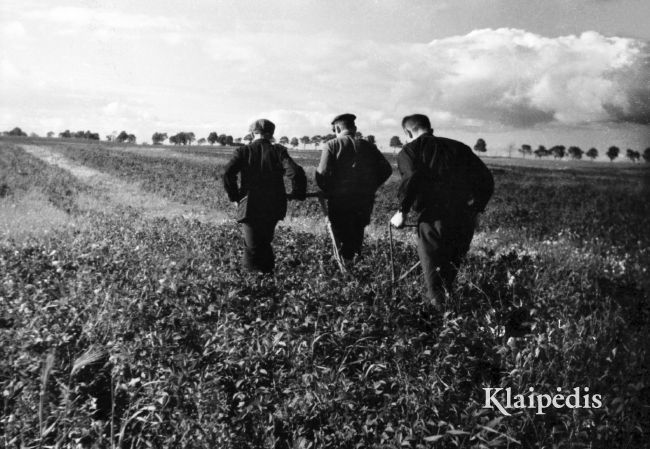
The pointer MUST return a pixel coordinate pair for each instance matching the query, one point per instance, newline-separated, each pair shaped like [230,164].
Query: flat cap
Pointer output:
[344,117]
[262,126]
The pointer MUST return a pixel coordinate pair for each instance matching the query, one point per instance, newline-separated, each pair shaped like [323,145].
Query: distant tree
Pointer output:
[284,140]
[612,153]
[575,152]
[294,142]
[316,140]
[33,135]
[304,140]
[17,132]
[238,140]
[50,134]
[371,139]
[131,138]
[213,137]
[592,153]
[328,137]
[229,140]
[183,138]
[222,139]
[558,151]
[122,137]
[201,141]
[632,155]
[65,134]
[81,134]
[646,155]
[541,152]
[395,142]
[180,138]
[525,149]
[358,135]
[480,146]
[158,138]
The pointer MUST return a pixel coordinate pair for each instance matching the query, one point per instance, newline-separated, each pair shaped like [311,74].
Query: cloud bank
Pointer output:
[167,72]
[491,77]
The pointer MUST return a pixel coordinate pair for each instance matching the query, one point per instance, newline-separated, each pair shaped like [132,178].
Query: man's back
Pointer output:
[440,176]
[351,166]
[262,166]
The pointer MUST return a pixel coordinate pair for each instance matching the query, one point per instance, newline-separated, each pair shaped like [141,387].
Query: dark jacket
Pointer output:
[262,167]
[351,167]
[440,177]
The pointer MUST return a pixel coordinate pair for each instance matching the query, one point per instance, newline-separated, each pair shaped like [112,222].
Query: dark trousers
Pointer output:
[349,217]
[258,253]
[442,244]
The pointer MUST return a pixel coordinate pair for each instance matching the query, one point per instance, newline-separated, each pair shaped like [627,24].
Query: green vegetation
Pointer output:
[139,332]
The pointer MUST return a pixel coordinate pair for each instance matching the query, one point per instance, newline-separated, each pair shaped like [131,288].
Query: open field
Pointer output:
[126,321]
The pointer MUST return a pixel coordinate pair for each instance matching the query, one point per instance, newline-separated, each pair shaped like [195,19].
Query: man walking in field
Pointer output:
[261,199]
[446,185]
[350,172]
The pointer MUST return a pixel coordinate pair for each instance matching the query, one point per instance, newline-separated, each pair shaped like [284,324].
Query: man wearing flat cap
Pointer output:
[260,197]
[350,172]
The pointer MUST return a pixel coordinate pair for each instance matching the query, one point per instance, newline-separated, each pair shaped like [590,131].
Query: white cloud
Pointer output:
[127,111]
[13,30]
[504,76]
[85,17]
[8,71]
[521,78]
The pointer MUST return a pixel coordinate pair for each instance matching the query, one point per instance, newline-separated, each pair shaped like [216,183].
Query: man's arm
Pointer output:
[482,182]
[384,170]
[233,167]
[409,183]
[325,168]
[296,174]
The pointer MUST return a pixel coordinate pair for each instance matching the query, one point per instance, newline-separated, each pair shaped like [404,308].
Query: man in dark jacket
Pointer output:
[350,172]
[446,185]
[261,199]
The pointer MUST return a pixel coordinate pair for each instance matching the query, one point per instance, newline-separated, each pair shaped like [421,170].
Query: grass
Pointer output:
[157,338]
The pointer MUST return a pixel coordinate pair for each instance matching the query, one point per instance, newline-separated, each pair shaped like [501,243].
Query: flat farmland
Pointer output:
[126,320]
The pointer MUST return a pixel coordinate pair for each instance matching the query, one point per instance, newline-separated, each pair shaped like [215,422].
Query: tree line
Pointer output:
[213,138]
[576,153]
[187,138]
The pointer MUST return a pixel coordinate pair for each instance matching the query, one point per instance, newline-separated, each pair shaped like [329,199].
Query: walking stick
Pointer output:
[330,231]
[335,247]
[392,260]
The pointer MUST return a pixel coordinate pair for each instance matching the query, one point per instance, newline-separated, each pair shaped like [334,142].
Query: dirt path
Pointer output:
[111,193]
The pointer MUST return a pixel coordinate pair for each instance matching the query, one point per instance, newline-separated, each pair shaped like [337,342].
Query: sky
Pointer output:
[571,72]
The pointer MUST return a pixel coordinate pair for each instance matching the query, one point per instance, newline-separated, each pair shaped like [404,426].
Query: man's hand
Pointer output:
[398,220]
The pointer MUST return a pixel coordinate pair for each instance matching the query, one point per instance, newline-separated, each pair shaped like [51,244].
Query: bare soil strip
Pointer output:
[113,193]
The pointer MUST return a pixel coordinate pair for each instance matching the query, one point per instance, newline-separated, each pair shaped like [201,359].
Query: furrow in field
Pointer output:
[111,193]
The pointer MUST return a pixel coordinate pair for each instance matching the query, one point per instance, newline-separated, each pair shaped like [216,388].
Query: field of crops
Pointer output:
[121,329]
